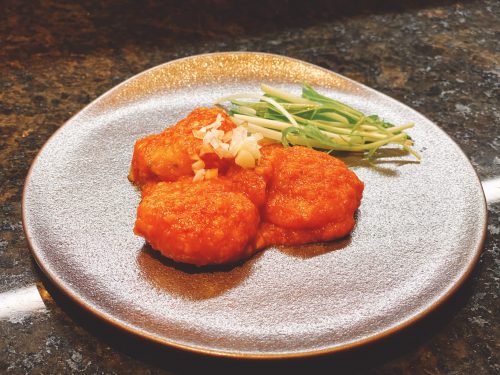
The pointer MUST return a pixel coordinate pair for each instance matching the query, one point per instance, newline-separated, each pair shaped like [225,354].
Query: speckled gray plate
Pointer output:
[419,232]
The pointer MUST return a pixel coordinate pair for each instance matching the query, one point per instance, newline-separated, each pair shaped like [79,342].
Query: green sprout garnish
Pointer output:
[316,121]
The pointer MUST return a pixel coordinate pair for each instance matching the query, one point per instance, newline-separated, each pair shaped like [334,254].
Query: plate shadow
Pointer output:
[188,281]
[315,249]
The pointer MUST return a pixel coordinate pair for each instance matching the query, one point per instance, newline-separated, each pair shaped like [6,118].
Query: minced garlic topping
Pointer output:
[235,144]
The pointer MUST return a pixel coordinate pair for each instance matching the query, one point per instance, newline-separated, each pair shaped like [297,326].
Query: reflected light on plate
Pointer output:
[18,303]
[492,190]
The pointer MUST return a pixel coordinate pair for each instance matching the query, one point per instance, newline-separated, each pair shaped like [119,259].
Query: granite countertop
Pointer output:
[439,57]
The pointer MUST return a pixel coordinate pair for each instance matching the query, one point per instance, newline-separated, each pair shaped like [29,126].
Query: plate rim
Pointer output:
[137,331]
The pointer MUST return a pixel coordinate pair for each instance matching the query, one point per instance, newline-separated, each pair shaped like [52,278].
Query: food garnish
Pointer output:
[315,121]
[235,144]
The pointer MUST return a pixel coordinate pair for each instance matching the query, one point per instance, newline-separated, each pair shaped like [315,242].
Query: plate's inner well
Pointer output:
[418,229]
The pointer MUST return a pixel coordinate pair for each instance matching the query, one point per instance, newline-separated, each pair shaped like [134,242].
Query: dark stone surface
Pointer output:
[439,57]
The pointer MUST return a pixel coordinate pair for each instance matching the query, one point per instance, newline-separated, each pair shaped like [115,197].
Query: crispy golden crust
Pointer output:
[199,223]
[247,181]
[310,189]
[169,155]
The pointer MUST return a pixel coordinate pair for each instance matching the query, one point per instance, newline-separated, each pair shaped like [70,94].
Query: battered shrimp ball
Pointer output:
[198,223]
[169,155]
[310,189]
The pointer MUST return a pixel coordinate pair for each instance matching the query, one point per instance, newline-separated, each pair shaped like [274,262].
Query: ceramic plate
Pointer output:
[419,229]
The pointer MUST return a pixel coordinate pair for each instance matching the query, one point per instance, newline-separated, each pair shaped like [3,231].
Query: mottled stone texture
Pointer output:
[439,57]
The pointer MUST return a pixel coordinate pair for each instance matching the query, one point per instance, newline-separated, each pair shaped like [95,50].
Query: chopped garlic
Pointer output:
[211,173]
[200,134]
[236,143]
[196,166]
[245,159]
[199,175]
[237,140]
[227,137]
[242,141]
[217,123]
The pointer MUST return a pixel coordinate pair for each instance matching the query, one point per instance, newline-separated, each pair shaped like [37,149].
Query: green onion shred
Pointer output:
[316,121]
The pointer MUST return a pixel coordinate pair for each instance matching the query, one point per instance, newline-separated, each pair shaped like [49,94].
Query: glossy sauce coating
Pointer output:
[310,189]
[247,181]
[294,196]
[198,223]
[169,155]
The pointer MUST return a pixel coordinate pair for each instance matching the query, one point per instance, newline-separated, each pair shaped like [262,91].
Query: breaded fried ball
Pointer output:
[198,223]
[310,189]
[169,155]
